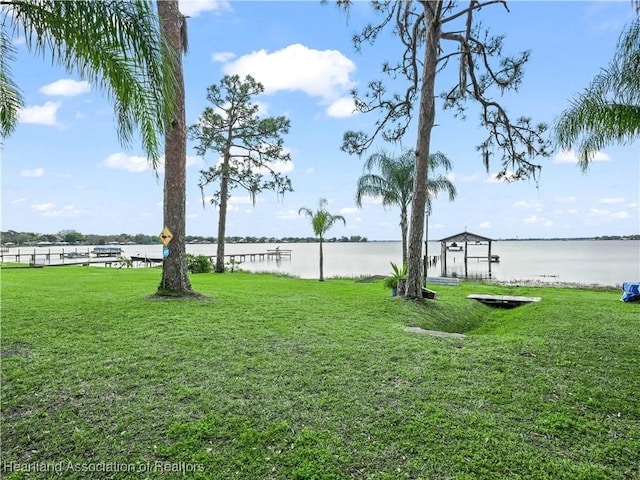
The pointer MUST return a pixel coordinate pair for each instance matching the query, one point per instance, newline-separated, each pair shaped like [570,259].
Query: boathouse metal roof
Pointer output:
[466,237]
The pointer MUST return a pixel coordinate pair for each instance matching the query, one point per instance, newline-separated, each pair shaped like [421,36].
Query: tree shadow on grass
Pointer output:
[171,295]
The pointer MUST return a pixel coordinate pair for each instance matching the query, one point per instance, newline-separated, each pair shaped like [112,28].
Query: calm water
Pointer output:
[585,262]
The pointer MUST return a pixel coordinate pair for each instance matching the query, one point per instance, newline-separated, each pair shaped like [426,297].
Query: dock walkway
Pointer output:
[275,254]
[108,257]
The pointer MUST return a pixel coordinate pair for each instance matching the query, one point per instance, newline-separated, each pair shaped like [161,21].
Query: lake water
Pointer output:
[588,262]
[608,262]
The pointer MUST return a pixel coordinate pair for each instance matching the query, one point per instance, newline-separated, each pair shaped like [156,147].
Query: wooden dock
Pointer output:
[104,255]
[241,257]
[57,258]
[276,254]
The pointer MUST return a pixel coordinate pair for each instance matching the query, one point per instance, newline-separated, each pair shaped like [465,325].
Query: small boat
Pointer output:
[454,247]
[106,251]
[76,255]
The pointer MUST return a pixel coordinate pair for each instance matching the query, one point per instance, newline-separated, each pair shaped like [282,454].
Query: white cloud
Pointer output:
[123,161]
[40,114]
[310,170]
[612,201]
[66,88]
[485,225]
[535,220]
[235,200]
[36,172]
[348,210]
[18,200]
[222,57]
[43,207]
[317,73]
[279,167]
[620,215]
[287,214]
[371,200]
[569,156]
[342,108]
[192,161]
[66,211]
[607,214]
[193,8]
[263,108]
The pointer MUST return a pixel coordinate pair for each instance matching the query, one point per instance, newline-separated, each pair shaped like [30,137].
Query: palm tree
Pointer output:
[321,221]
[394,184]
[608,111]
[116,46]
[175,277]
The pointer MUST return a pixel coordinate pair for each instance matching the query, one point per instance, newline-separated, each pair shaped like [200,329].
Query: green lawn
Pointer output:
[285,378]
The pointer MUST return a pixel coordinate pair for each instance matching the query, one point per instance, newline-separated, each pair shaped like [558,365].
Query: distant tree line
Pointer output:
[603,237]
[72,237]
[618,237]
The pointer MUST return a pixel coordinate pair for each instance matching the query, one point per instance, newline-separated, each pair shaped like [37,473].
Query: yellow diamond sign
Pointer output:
[165,236]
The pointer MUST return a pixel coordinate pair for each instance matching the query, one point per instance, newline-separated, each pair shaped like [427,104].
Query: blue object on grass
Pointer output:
[631,292]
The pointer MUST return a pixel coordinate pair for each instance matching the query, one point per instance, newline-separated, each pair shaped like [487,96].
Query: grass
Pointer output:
[285,378]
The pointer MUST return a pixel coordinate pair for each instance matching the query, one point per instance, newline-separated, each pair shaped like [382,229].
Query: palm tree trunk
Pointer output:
[175,278]
[321,262]
[425,125]
[403,229]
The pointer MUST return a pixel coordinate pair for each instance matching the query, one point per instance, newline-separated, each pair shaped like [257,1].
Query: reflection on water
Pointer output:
[587,262]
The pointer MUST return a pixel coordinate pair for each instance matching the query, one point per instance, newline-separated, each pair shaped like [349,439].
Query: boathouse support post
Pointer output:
[489,259]
[466,253]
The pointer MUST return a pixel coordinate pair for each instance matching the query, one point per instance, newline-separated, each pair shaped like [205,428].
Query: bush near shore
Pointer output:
[284,378]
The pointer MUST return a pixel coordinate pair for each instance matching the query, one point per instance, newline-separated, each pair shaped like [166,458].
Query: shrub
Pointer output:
[199,264]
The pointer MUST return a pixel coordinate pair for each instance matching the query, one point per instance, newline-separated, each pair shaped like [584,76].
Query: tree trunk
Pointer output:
[425,124]
[425,262]
[321,262]
[222,214]
[403,229]
[175,278]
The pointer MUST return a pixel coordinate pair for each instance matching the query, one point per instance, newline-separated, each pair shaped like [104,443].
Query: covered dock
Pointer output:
[460,243]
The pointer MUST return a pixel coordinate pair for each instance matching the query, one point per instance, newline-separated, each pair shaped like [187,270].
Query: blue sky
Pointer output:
[63,167]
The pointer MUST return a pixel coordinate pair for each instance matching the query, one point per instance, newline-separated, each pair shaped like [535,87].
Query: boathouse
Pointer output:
[460,243]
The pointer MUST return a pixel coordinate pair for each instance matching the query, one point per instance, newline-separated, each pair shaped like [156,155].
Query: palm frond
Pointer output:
[608,110]
[11,100]
[321,219]
[117,47]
